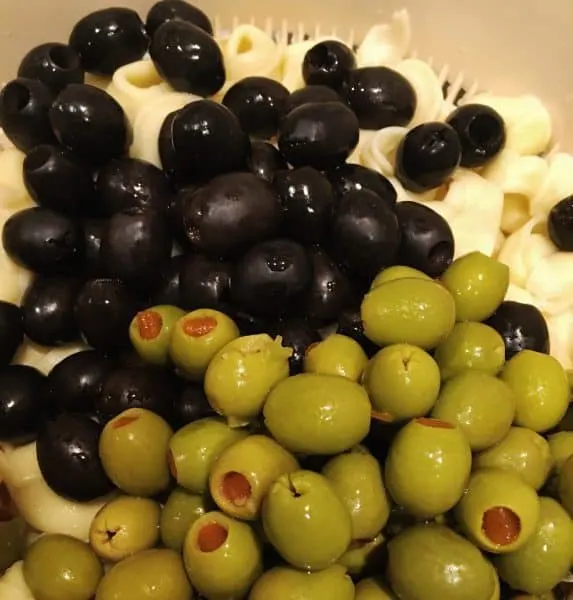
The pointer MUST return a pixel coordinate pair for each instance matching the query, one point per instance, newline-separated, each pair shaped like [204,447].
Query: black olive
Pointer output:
[265,160]
[365,234]
[310,94]
[24,113]
[202,140]
[168,287]
[230,213]
[137,387]
[75,383]
[108,39]
[247,323]
[560,224]
[204,283]
[55,65]
[521,326]
[350,177]
[93,231]
[126,183]
[328,63]
[11,331]
[68,457]
[331,291]
[258,103]
[90,123]
[349,323]
[188,58]
[56,179]
[134,246]
[380,97]
[24,404]
[427,241]
[297,334]
[307,199]
[43,241]
[48,310]
[104,310]
[170,10]
[176,213]
[427,156]
[192,405]
[318,134]
[481,131]
[272,277]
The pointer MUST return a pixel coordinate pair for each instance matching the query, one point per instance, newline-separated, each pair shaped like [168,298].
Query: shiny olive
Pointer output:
[349,323]
[560,224]
[170,10]
[168,286]
[350,177]
[204,282]
[328,63]
[297,334]
[191,405]
[93,231]
[310,93]
[265,160]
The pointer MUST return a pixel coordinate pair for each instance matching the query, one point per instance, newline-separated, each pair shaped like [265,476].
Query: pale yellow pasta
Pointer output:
[13,585]
[527,121]
[45,358]
[428,90]
[379,150]
[551,281]
[499,242]
[560,327]
[13,192]
[387,43]
[135,84]
[19,465]
[365,138]
[557,185]
[99,81]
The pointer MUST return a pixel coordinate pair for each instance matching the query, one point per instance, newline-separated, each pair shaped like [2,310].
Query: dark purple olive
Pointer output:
[365,234]
[108,39]
[90,123]
[48,310]
[427,156]
[307,200]
[311,94]
[168,287]
[68,457]
[265,160]
[11,331]
[272,277]
[258,103]
[56,179]
[134,246]
[176,213]
[204,283]
[172,10]
[137,387]
[248,324]
[427,241]
[191,405]
[350,177]
[24,404]
[297,334]
[55,65]
[380,97]
[230,213]
[331,291]
[104,310]
[349,323]
[126,183]
[188,58]
[75,383]
[522,327]
[202,140]
[319,134]
[93,231]
[328,63]
[24,113]
[560,224]
[44,241]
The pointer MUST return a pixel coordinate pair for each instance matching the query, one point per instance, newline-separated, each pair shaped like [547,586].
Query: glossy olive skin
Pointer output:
[134,246]
[258,103]
[67,450]
[137,387]
[364,249]
[43,241]
[188,58]
[48,310]
[272,277]
[55,65]
[191,405]
[11,331]
[560,224]
[311,93]
[380,97]
[104,309]
[170,10]
[108,39]
[202,140]
[76,382]
[93,231]
[307,201]
[168,287]
[24,404]
[297,334]
[204,283]
[265,160]
[349,323]
[427,240]
[349,177]
[230,213]
[522,327]
[56,179]
[319,134]
[427,155]
[328,63]
[24,106]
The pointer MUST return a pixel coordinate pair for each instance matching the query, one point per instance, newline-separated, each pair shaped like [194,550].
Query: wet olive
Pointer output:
[169,10]
[328,63]
[350,177]
[265,160]
[310,93]
[297,334]
[204,282]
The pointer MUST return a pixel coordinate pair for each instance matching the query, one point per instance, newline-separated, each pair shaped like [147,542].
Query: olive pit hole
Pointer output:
[434,423]
[16,97]
[64,58]
[236,488]
[149,324]
[320,57]
[211,537]
[484,131]
[38,158]
[501,525]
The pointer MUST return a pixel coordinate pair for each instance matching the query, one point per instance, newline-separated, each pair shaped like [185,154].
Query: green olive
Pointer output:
[397,272]
[409,311]
[565,485]
[373,589]
[336,355]
[181,510]
[561,446]
[363,556]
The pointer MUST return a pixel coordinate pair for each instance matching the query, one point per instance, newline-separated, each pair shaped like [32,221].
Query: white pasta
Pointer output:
[99,81]
[560,327]
[378,151]
[387,43]
[13,585]
[13,192]
[426,84]
[45,358]
[557,185]
[551,281]
[19,465]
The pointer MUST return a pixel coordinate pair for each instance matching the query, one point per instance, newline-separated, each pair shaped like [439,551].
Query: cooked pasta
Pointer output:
[551,280]
[13,585]
[44,358]
[13,192]
[428,89]
[379,150]
[387,43]
[557,185]
[560,328]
